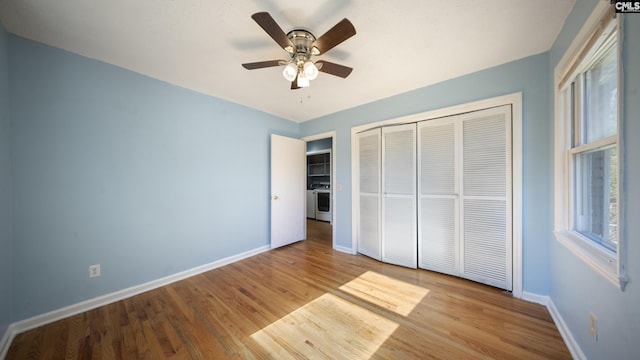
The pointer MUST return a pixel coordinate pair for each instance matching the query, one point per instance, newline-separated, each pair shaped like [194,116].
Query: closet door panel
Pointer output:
[369,227]
[486,197]
[399,160]
[485,155]
[485,241]
[399,232]
[369,168]
[399,240]
[438,243]
[438,233]
[437,146]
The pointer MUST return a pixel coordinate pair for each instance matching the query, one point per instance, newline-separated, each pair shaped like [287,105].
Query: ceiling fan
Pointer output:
[301,45]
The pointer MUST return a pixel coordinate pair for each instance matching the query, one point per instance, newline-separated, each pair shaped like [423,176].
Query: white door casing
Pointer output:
[288,190]
[335,188]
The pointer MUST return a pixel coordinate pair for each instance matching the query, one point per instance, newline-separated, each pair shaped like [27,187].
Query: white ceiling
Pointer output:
[199,44]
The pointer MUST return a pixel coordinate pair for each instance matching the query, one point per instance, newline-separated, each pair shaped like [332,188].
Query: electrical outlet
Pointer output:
[593,325]
[94,271]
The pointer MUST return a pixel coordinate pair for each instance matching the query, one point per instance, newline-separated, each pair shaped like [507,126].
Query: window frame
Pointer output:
[591,42]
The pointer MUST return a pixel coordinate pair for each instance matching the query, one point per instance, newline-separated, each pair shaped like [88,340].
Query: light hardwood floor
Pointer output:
[305,301]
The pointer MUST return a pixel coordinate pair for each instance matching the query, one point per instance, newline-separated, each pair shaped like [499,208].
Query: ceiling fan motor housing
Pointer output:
[303,41]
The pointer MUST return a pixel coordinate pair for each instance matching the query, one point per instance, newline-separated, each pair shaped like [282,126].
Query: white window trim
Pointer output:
[610,265]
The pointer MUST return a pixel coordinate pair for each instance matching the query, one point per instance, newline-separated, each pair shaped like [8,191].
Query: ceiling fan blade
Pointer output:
[272,28]
[333,69]
[263,64]
[337,34]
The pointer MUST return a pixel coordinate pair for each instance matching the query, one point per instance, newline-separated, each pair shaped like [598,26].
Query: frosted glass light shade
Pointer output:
[303,80]
[290,71]
[310,70]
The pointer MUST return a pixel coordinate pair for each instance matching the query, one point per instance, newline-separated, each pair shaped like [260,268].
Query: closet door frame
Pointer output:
[515,100]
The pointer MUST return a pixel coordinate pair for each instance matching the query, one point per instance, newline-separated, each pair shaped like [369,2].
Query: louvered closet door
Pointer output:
[438,220]
[486,237]
[399,231]
[369,167]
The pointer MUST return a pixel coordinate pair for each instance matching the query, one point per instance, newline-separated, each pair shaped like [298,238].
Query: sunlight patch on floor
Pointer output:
[391,294]
[328,327]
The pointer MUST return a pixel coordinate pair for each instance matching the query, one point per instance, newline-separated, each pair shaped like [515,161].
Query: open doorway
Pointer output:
[320,197]
[320,231]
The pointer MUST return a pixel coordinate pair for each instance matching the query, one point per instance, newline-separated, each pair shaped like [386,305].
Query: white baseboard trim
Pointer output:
[55,315]
[535,298]
[343,249]
[568,338]
[573,346]
[7,339]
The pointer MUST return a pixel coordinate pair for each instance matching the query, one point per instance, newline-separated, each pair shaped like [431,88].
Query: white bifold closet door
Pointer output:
[486,197]
[369,167]
[399,228]
[464,195]
[438,193]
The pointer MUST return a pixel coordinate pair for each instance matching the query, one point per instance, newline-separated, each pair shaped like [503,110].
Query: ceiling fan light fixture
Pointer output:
[310,70]
[290,71]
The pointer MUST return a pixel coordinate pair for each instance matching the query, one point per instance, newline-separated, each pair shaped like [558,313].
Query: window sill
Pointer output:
[602,261]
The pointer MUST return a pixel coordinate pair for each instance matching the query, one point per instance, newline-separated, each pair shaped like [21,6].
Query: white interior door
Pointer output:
[399,230]
[438,187]
[369,157]
[288,190]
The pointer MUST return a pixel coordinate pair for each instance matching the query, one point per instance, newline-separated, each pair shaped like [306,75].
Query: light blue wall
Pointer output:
[6,242]
[143,177]
[149,179]
[528,76]
[576,289]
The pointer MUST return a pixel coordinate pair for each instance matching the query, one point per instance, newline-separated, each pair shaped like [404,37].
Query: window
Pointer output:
[587,164]
[593,95]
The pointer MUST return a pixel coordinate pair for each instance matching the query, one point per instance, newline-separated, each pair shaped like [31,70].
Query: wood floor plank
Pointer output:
[302,301]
